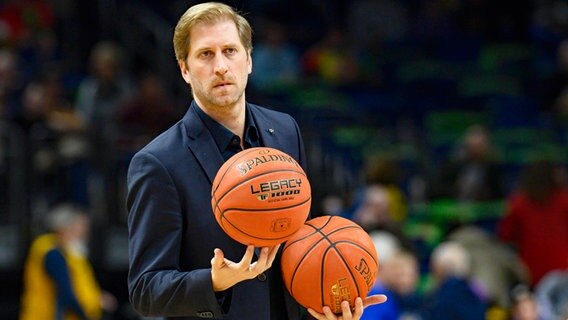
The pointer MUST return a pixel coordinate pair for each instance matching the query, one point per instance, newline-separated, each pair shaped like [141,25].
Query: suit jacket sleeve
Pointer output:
[157,286]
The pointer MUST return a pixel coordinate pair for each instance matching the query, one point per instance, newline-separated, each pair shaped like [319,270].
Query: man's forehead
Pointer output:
[218,32]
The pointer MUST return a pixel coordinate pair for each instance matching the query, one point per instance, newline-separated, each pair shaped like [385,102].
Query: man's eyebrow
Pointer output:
[209,47]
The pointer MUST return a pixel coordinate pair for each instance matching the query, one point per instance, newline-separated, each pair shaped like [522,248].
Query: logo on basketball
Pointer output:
[263,197]
[250,164]
[277,188]
[365,271]
[339,292]
[280,225]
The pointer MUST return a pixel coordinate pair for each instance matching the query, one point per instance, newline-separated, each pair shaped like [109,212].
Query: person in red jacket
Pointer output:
[536,221]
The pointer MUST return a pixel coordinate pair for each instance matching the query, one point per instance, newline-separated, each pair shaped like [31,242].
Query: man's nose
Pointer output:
[220,65]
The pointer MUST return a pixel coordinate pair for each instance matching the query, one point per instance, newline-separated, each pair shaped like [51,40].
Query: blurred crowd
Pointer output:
[441,127]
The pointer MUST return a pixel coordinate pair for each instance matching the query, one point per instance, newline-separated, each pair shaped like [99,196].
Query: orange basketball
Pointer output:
[329,260]
[261,196]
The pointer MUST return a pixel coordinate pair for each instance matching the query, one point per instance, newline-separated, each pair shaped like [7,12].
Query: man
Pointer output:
[181,262]
[58,279]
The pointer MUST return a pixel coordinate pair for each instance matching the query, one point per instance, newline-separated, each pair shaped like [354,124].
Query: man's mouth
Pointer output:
[222,84]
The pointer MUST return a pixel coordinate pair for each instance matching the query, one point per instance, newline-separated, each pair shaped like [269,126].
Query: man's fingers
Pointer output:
[259,265]
[358,308]
[374,299]
[346,310]
[218,258]
[328,314]
[247,258]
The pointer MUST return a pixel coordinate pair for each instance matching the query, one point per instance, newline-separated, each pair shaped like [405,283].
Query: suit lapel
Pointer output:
[202,144]
[268,134]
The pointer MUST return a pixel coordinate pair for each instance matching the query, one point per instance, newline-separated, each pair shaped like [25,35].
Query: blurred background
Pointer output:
[424,121]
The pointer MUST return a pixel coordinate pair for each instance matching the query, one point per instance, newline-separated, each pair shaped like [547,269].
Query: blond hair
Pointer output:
[209,12]
[452,259]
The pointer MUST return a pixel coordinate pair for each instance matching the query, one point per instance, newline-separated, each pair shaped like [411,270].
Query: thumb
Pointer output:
[218,258]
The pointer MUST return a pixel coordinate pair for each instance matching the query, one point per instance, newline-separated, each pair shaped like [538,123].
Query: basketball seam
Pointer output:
[222,218]
[241,154]
[252,235]
[316,230]
[360,247]
[268,209]
[348,268]
[300,263]
[216,187]
[288,244]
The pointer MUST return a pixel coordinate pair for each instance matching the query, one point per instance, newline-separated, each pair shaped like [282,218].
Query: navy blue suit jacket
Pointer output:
[172,230]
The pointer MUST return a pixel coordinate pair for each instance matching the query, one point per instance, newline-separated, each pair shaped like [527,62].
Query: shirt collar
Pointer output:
[223,136]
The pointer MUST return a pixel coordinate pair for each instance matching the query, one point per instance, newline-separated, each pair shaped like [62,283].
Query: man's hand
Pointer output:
[226,273]
[360,304]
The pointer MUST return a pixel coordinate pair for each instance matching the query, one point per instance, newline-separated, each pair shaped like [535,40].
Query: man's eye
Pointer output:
[230,50]
[205,54]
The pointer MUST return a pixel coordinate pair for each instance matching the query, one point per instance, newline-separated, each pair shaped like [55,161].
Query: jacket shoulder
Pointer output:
[164,144]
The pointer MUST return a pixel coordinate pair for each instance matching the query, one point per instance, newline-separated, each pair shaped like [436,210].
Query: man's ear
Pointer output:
[184,69]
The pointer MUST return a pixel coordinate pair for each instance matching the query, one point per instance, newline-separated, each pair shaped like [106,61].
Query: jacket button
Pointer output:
[261,277]
[205,314]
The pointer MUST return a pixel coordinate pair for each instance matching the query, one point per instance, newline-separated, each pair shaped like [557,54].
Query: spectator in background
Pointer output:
[332,60]
[552,295]
[402,280]
[495,268]
[11,84]
[454,297]
[385,172]
[58,278]
[276,62]
[103,89]
[149,111]
[54,142]
[44,103]
[536,221]
[374,210]
[472,173]
[373,213]
[525,306]
[387,247]
[20,20]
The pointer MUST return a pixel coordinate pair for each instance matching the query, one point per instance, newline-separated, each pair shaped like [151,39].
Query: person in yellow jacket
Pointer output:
[59,282]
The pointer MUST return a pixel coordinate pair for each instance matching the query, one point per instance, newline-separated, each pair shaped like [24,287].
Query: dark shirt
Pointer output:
[66,300]
[229,143]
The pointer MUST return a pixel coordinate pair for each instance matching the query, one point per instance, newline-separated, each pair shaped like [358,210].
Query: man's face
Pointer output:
[217,66]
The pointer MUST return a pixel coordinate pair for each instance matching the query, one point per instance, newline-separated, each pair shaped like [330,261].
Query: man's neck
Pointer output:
[231,117]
